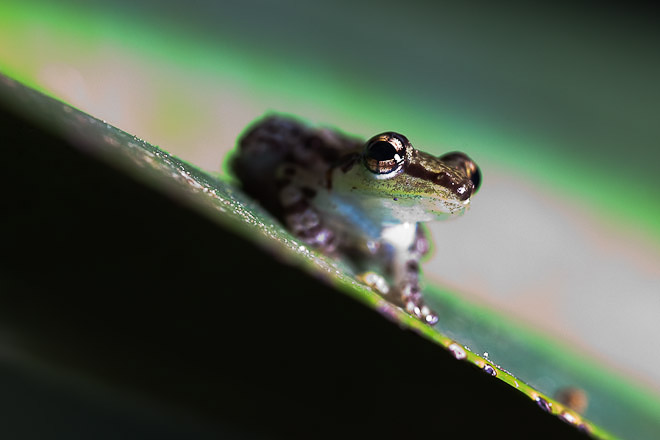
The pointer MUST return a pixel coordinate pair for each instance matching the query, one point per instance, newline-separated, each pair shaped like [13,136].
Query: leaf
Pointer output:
[526,361]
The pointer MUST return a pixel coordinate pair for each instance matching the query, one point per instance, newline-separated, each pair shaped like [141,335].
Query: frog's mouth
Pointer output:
[447,180]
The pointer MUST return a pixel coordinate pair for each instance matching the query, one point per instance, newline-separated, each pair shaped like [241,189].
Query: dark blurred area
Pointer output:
[125,315]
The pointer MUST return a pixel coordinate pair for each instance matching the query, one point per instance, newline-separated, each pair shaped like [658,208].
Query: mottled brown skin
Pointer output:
[270,155]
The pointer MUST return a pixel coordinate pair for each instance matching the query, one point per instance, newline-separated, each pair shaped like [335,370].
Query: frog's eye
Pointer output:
[386,153]
[465,164]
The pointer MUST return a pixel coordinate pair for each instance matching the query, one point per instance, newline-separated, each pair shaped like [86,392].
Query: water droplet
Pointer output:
[457,351]
[567,417]
[543,404]
[431,318]
[584,428]
[488,369]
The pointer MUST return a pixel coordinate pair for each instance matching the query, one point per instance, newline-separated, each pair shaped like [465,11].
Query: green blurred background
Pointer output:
[565,91]
[557,103]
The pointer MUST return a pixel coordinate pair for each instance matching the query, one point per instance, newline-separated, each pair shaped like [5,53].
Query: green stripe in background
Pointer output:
[596,160]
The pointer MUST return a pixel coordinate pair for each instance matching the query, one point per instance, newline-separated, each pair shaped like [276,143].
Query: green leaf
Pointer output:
[533,365]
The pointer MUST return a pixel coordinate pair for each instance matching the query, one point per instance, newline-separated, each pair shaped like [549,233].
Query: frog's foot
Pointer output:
[375,281]
[407,244]
[413,302]
[410,296]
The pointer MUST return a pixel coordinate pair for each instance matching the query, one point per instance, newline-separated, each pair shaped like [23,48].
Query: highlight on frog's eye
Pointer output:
[386,153]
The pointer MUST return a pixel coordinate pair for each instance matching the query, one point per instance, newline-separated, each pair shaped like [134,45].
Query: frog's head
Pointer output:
[410,185]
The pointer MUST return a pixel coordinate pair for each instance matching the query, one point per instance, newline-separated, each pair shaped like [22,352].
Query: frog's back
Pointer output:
[274,142]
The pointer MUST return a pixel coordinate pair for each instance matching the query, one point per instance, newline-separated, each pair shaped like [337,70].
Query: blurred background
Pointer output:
[557,103]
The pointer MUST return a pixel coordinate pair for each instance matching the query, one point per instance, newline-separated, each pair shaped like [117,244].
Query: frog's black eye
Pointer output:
[475,177]
[465,164]
[386,153]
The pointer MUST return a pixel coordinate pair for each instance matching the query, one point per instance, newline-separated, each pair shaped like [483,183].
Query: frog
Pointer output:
[363,202]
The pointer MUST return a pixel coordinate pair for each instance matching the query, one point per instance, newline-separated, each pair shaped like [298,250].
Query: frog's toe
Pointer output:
[429,316]
[415,305]
[375,281]
[423,312]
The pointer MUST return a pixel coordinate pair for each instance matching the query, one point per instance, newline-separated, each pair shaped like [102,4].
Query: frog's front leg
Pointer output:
[408,245]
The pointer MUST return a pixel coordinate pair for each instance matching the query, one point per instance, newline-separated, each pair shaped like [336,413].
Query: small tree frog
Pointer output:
[363,202]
